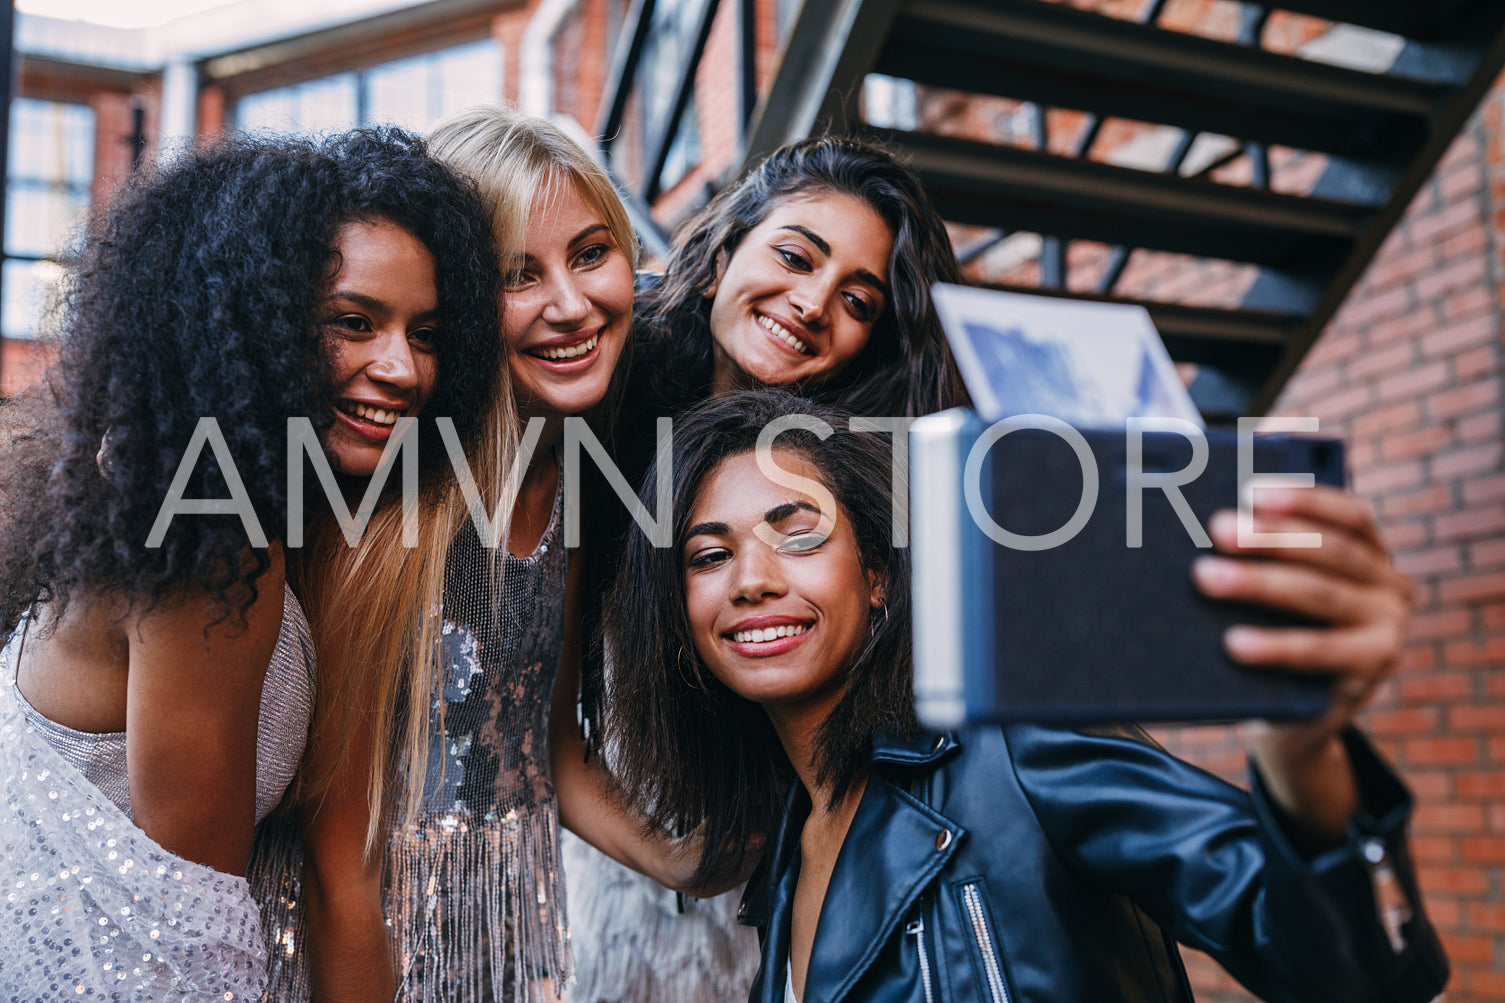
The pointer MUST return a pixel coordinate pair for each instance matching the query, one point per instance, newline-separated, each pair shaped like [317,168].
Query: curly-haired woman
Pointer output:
[157,689]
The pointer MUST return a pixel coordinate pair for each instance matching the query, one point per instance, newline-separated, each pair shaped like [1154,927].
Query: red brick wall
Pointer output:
[507,32]
[114,125]
[583,57]
[716,115]
[22,364]
[1411,373]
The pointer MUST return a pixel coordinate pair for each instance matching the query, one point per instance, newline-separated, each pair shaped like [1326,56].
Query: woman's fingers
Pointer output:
[1347,586]
[1323,504]
[1361,650]
[1313,591]
[1345,551]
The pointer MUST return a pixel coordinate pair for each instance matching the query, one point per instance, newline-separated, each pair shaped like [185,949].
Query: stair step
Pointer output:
[1063,57]
[1014,189]
[1411,18]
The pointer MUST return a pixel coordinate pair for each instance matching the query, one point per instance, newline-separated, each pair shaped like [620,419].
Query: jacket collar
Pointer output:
[925,748]
[922,749]
[893,849]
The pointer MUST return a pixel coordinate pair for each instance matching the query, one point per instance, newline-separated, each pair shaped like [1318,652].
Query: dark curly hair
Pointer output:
[905,369]
[684,743]
[197,296]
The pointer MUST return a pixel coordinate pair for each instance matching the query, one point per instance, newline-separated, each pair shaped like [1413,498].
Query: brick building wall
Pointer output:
[1411,372]
[716,115]
[22,361]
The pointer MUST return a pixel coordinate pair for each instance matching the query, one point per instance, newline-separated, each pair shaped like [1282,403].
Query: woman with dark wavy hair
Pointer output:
[812,270]
[157,688]
[771,692]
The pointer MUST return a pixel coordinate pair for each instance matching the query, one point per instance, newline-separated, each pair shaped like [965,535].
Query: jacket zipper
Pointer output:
[917,928]
[972,898]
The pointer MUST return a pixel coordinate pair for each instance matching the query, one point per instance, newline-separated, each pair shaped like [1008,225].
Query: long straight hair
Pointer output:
[520,161]
[513,158]
[517,160]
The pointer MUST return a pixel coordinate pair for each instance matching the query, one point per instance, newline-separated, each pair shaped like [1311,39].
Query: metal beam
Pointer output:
[658,150]
[1062,57]
[654,241]
[1265,330]
[747,64]
[830,50]
[1118,260]
[1234,350]
[1014,189]
[1446,126]
[623,71]
[1223,393]
[1411,18]
[1052,263]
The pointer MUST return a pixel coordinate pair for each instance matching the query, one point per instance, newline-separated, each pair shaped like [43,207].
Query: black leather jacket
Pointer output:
[1034,865]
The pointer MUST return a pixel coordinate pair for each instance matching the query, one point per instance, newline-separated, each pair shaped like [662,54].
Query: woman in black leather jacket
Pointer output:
[771,672]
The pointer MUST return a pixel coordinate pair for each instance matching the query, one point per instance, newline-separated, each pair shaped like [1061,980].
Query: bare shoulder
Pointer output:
[251,618]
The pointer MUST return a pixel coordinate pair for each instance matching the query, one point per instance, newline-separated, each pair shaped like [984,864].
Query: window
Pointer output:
[415,93]
[46,198]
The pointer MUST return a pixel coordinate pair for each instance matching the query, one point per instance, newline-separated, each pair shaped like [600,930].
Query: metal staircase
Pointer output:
[1378,131]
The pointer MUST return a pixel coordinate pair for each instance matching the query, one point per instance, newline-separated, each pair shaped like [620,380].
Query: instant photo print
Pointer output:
[1079,607]
[1090,364]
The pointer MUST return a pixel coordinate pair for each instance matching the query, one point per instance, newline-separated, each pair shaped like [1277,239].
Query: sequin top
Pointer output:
[287,703]
[91,906]
[475,896]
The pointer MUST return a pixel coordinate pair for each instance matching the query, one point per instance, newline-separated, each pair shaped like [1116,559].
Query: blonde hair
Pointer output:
[514,158]
[375,614]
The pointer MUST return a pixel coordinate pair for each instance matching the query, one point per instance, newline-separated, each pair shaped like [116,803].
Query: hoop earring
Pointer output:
[679,660]
[876,622]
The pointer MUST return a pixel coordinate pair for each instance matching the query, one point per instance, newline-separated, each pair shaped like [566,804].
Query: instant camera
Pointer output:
[1053,528]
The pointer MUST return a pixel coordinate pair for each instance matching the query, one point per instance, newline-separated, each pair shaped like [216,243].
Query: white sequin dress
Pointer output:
[91,907]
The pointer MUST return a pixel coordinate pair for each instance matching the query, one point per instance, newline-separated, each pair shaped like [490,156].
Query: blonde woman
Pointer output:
[470,879]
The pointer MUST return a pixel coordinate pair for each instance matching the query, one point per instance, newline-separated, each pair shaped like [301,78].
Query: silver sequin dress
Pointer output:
[91,907]
[475,896]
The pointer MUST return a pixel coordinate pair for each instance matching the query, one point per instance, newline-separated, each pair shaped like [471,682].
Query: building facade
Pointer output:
[1411,370]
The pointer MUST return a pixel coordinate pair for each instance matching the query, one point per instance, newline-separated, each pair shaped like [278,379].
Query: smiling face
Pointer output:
[800,295]
[568,306]
[778,625]
[379,317]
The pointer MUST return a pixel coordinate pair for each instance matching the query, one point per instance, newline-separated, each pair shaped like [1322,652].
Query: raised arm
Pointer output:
[1359,605]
